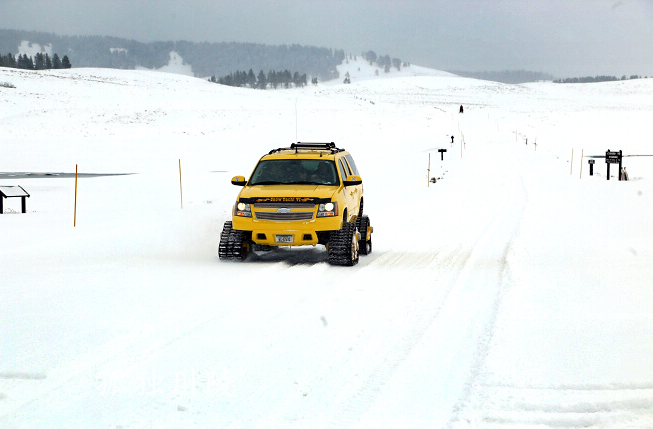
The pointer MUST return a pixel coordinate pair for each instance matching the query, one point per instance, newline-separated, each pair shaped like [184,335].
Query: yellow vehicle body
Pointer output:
[298,196]
[294,213]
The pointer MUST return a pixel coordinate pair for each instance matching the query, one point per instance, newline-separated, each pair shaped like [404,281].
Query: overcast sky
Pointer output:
[563,37]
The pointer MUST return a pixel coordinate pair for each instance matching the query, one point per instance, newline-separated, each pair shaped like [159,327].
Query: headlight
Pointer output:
[243,209]
[327,210]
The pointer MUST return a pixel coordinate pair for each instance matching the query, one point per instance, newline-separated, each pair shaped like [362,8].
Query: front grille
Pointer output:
[284,216]
[284,205]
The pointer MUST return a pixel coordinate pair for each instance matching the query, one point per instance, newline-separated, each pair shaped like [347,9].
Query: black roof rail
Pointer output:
[330,146]
[308,145]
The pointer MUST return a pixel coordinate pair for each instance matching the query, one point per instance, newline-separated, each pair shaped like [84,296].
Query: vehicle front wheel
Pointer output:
[233,243]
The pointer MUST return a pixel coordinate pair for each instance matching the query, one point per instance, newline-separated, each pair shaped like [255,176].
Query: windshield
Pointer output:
[295,171]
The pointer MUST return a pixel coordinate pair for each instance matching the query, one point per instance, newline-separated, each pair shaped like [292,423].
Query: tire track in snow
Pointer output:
[85,372]
[494,246]
[504,406]
[382,360]
[453,270]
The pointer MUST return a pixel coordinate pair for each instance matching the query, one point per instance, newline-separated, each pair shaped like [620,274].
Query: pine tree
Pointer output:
[48,62]
[272,78]
[251,79]
[39,61]
[65,62]
[10,61]
[25,62]
[56,62]
[261,80]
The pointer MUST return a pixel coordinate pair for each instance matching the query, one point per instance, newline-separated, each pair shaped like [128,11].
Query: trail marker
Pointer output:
[613,158]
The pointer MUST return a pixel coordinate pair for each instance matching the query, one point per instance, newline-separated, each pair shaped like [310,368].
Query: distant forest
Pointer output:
[273,79]
[506,76]
[206,59]
[40,61]
[589,79]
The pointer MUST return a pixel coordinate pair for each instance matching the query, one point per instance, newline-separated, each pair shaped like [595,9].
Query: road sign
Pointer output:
[613,157]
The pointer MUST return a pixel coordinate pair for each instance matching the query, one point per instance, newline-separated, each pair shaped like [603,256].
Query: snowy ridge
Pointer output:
[513,292]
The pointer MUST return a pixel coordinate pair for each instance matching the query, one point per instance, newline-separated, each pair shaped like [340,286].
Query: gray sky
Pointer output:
[563,37]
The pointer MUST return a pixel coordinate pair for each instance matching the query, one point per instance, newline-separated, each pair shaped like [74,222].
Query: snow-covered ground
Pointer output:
[515,291]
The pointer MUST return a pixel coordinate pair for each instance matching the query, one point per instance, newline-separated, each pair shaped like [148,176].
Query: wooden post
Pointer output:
[571,166]
[75,212]
[428,173]
[582,151]
[181,193]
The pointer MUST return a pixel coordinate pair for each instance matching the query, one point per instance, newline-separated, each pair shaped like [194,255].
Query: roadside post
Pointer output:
[613,158]
[442,151]
[591,163]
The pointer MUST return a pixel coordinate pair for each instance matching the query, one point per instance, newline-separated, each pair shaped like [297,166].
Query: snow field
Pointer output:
[510,293]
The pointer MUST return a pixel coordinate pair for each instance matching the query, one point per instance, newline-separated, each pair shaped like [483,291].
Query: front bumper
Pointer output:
[285,232]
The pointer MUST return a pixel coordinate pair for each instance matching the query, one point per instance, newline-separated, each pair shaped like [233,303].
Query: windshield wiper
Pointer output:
[304,182]
[268,182]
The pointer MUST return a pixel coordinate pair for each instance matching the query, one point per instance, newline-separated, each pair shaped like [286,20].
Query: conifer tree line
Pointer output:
[273,79]
[40,61]
[205,58]
[589,79]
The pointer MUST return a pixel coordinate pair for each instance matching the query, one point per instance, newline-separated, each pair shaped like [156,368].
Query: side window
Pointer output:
[343,170]
[352,164]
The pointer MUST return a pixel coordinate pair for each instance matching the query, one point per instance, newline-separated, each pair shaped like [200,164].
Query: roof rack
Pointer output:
[331,146]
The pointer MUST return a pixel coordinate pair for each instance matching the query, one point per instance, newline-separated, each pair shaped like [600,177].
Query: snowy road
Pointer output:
[334,350]
[490,299]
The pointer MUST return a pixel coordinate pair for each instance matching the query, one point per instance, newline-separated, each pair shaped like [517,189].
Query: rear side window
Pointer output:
[343,170]
[352,164]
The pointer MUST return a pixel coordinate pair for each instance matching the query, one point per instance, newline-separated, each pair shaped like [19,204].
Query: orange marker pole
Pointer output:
[75,211]
[181,192]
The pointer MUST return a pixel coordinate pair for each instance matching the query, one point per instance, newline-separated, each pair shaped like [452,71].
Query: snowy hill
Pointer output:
[513,292]
[358,69]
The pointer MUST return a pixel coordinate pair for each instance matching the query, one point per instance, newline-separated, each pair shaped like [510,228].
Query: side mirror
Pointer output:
[353,180]
[238,181]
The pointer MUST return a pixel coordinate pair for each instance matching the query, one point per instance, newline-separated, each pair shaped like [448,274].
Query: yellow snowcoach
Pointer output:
[306,194]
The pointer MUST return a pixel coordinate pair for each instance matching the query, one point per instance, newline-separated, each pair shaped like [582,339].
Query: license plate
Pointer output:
[283,239]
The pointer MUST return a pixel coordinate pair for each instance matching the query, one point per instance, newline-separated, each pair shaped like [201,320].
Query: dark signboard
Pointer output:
[613,157]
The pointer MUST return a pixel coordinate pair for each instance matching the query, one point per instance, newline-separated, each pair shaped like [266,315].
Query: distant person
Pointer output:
[451,139]
[461,108]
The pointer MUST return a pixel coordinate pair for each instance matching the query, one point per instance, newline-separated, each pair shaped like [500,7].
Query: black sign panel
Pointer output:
[284,200]
[613,157]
